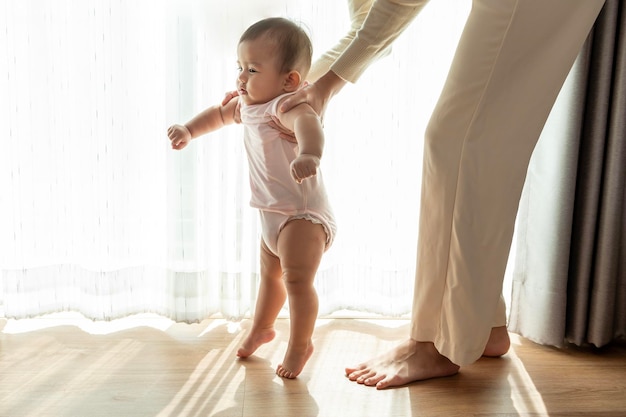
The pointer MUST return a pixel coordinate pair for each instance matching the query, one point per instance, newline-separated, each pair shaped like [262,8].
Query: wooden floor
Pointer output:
[169,369]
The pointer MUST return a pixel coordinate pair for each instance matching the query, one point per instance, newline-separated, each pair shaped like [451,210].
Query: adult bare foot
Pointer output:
[255,339]
[408,362]
[294,361]
[499,342]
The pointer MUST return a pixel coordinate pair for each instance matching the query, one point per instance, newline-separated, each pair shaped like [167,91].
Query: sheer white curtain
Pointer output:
[99,216]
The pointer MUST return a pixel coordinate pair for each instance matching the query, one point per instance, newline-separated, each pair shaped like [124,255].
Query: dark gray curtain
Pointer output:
[596,302]
[569,280]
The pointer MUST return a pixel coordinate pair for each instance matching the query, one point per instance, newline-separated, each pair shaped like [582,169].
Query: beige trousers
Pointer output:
[511,62]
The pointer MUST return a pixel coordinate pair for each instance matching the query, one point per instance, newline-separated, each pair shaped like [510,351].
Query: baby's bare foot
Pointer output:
[294,361]
[255,339]
[408,362]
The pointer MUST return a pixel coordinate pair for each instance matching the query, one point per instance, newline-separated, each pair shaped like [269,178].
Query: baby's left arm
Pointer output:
[306,125]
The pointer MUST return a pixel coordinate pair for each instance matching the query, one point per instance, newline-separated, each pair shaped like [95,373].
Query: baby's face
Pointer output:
[259,79]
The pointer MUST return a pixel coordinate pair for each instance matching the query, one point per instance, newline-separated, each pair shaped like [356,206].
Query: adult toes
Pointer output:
[373,380]
[365,376]
[354,369]
[357,374]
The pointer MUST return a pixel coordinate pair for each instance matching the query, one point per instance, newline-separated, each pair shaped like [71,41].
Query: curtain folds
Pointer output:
[569,281]
[99,216]
[596,309]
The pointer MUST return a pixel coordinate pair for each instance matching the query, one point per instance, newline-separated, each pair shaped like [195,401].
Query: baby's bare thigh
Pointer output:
[301,244]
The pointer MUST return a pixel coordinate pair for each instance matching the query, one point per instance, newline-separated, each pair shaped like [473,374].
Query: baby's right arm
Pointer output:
[209,120]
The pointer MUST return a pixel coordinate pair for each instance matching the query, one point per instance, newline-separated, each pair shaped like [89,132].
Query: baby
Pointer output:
[298,226]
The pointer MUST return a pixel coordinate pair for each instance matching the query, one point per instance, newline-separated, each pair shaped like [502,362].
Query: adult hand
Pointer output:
[228,97]
[309,94]
[317,94]
[179,136]
[284,133]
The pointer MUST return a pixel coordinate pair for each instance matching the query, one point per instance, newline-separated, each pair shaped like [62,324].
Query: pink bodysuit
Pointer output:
[274,192]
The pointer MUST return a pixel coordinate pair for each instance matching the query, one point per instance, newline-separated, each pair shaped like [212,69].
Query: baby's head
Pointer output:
[274,57]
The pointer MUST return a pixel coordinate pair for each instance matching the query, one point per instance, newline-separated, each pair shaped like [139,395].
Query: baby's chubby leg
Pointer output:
[301,245]
[272,296]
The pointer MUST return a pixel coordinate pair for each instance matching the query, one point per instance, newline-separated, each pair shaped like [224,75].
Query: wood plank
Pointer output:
[191,370]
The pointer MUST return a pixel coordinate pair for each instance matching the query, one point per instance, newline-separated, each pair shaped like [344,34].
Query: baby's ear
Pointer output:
[292,81]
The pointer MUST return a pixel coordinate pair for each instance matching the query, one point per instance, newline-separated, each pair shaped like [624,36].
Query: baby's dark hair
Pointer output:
[292,43]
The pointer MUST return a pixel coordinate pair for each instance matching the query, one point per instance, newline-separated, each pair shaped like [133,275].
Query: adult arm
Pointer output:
[386,20]
[358,10]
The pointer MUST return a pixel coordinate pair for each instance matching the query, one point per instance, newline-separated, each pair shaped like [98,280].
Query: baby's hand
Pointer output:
[179,136]
[304,166]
